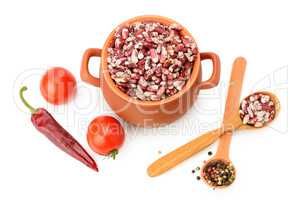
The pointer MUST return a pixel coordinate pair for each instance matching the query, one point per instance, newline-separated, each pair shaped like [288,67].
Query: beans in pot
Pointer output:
[151,61]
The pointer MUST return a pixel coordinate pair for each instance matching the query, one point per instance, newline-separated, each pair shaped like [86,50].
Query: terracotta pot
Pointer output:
[149,113]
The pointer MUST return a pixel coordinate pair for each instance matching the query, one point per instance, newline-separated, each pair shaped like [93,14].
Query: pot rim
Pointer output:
[196,71]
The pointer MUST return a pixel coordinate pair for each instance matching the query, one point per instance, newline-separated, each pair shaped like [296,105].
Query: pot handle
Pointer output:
[215,77]
[84,71]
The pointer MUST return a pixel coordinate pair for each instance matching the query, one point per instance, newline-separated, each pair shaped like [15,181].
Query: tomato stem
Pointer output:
[32,109]
[113,153]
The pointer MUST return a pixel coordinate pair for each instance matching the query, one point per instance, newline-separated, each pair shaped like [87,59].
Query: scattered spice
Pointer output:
[257,109]
[197,168]
[209,153]
[198,178]
[151,61]
[193,171]
[218,173]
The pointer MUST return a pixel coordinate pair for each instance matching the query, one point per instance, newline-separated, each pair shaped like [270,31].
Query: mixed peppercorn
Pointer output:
[218,173]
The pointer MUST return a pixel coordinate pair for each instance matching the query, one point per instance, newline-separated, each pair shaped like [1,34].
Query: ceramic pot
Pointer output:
[149,113]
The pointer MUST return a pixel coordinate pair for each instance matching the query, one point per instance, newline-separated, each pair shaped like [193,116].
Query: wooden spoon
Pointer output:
[189,149]
[224,145]
[182,153]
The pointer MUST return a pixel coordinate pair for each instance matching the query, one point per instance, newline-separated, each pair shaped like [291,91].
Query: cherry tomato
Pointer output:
[105,135]
[58,85]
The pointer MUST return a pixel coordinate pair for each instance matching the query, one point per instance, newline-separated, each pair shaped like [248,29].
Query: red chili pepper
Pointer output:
[47,125]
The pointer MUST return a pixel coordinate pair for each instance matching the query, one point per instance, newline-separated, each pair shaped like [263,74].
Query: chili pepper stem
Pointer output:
[113,153]
[31,109]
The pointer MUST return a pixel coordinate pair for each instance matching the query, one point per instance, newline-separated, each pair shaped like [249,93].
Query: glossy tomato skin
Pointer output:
[58,85]
[105,134]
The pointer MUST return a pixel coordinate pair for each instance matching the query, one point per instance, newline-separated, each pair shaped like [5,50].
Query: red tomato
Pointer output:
[105,135]
[58,85]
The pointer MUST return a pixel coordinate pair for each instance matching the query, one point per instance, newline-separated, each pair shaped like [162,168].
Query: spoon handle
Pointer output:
[232,105]
[184,152]
[223,146]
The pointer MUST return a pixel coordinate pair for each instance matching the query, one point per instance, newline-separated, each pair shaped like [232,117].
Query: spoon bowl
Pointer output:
[276,102]
[213,160]
[236,122]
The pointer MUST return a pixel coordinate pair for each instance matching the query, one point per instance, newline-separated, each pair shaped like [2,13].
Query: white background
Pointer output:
[35,35]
